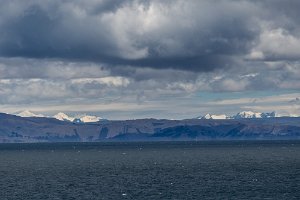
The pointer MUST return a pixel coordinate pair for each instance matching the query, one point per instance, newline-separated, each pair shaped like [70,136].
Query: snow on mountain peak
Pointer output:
[63,117]
[27,113]
[248,114]
[80,118]
[240,115]
[89,118]
[209,116]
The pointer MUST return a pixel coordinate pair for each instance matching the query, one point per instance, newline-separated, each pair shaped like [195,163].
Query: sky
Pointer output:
[128,59]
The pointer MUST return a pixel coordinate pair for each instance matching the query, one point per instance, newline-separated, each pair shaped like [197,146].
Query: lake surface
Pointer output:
[158,170]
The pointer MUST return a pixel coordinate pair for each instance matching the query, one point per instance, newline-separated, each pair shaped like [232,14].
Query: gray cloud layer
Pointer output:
[190,35]
[60,52]
[193,35]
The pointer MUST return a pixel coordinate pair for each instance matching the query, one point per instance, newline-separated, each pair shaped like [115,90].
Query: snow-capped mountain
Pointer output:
[78,119]
[247,114]
[250,114]
[89,118]
[240,115]
[63,117]
[21,129]
[27,113]
[210,116]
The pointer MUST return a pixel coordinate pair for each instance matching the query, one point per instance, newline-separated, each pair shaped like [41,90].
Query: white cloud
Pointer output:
[276,44]
[109,81]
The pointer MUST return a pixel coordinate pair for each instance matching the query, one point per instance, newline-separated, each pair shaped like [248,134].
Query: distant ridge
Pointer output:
[240,115]
[63,117]
[27,113]
[78,119]
[45,129]
[250,114]
[85,118]
[213,116]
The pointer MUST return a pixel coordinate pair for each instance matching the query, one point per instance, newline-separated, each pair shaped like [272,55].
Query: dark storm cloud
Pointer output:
[43,33]
[282,13]
[163,41]
[194,35]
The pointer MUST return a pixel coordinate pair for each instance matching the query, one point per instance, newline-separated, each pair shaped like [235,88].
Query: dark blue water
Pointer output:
[166,170]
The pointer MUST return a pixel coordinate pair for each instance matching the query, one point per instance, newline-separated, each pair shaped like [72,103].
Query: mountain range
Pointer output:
[63,117]
[90,118]
[48,129]
[240,115]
